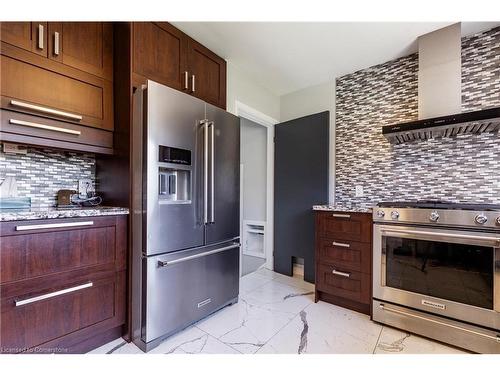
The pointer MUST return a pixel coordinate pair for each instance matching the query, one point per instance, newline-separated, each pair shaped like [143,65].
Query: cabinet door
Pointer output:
[87,46]
[160,53]
[31,36]
[208,74]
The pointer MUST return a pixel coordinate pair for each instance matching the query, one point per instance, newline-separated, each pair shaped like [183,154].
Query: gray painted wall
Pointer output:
[466,167]
[254,159]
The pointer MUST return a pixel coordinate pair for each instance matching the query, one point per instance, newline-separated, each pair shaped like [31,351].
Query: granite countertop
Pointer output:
[59,213]
[342,208]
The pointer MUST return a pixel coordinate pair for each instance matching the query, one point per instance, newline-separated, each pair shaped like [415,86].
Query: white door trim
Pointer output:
[243,110]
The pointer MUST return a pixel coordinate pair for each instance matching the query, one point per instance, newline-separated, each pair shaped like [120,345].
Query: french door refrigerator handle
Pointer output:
[162,263]
[205,125]
[212,172]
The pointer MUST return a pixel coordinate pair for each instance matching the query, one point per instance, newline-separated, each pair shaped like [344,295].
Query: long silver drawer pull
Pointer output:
[343,274]
[496,338]
[345,216]
[340,244]
[53,294]
[43,126]
[191,257]
[193,81]
[56,43]
[440,234]
[40,36]
[51,111]
[186,80]
[55,225]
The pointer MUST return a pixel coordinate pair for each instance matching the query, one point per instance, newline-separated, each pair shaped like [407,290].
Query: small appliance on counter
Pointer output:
[85,196]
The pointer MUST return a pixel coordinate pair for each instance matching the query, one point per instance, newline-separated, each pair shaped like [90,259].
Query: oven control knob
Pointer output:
[395,215]
[381,214]
[498,220]
[434,216]
[480,219]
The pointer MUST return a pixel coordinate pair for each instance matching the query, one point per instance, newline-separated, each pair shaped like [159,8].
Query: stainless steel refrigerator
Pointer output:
[185,211]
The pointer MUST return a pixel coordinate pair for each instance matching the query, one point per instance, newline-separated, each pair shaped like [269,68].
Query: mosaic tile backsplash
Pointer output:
[42,172]
[464,168]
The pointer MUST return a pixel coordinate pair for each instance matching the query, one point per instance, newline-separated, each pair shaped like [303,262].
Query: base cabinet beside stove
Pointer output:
[63,284]
[343,259]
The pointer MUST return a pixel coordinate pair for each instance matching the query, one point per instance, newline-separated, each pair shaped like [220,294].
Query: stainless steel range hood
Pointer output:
[476,122]
[439,93]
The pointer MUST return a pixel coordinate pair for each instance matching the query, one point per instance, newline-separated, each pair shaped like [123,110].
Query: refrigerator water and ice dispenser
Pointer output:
[174,181]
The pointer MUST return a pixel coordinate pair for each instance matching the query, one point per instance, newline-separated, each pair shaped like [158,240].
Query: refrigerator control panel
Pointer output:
[174,155]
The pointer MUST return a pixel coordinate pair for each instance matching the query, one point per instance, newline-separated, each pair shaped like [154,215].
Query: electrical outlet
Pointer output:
[359,190]
[85,187]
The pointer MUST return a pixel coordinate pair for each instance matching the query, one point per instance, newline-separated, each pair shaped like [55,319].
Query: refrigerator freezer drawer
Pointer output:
[186,286]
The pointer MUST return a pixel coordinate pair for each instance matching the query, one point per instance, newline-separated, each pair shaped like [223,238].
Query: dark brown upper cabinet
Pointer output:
[166,55]
[30,36]
[87,46]
[160,53]
[208,74]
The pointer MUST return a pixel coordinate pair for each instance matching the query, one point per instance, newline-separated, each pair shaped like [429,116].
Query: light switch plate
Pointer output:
[12,148]
[359,190]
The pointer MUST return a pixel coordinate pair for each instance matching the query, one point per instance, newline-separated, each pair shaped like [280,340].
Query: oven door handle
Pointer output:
[496,240]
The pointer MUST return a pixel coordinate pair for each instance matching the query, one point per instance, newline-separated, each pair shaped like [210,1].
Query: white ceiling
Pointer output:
[289,56]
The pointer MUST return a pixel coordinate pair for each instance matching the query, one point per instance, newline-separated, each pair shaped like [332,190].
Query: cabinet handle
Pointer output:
[340,244]
[345,216]
[193,79]
[186,80]
[56,43]
[40,36]
[53,294]
[343,274]
[43,126]
[53,225]
[50,111]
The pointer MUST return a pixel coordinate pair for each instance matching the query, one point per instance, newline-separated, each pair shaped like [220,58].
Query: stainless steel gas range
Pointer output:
[436,271]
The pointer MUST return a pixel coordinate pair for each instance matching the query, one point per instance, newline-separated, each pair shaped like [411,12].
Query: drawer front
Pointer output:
[343,283]
[346,254]
[345,226]
[74,100]
[60,245]
[49,314]
[41,131]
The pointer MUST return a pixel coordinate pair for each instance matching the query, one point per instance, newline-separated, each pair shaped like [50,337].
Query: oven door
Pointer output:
[442,271]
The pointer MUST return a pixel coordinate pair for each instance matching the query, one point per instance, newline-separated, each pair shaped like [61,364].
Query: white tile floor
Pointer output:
[277,314]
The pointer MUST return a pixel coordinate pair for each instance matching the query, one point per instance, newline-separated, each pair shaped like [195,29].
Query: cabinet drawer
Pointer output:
[41,131]
[346,254]
[343,283]
[36,248]
[65,308]
[345,226]
[56,95]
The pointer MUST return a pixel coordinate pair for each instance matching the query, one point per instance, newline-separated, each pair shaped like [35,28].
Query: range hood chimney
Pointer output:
[440,72]
[439,93]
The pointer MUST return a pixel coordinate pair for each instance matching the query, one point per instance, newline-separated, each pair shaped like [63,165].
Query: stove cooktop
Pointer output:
[442,205]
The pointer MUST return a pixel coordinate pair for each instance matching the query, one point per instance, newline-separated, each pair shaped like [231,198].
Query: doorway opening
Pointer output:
[256,189]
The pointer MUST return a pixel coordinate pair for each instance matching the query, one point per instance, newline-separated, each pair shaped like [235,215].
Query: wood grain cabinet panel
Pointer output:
[343,259]
[159,53]
[209,71]
[62,288]
[30,36]
[87,46]
[32,84]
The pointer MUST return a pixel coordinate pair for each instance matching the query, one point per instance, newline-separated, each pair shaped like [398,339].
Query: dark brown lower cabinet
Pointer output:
[344,259]
[64,287]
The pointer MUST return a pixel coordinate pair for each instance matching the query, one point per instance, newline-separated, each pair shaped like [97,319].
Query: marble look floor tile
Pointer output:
[192,340]
[109,347]
[324,328]
[288,280]
[252,281]
[393,341]
[259,315]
